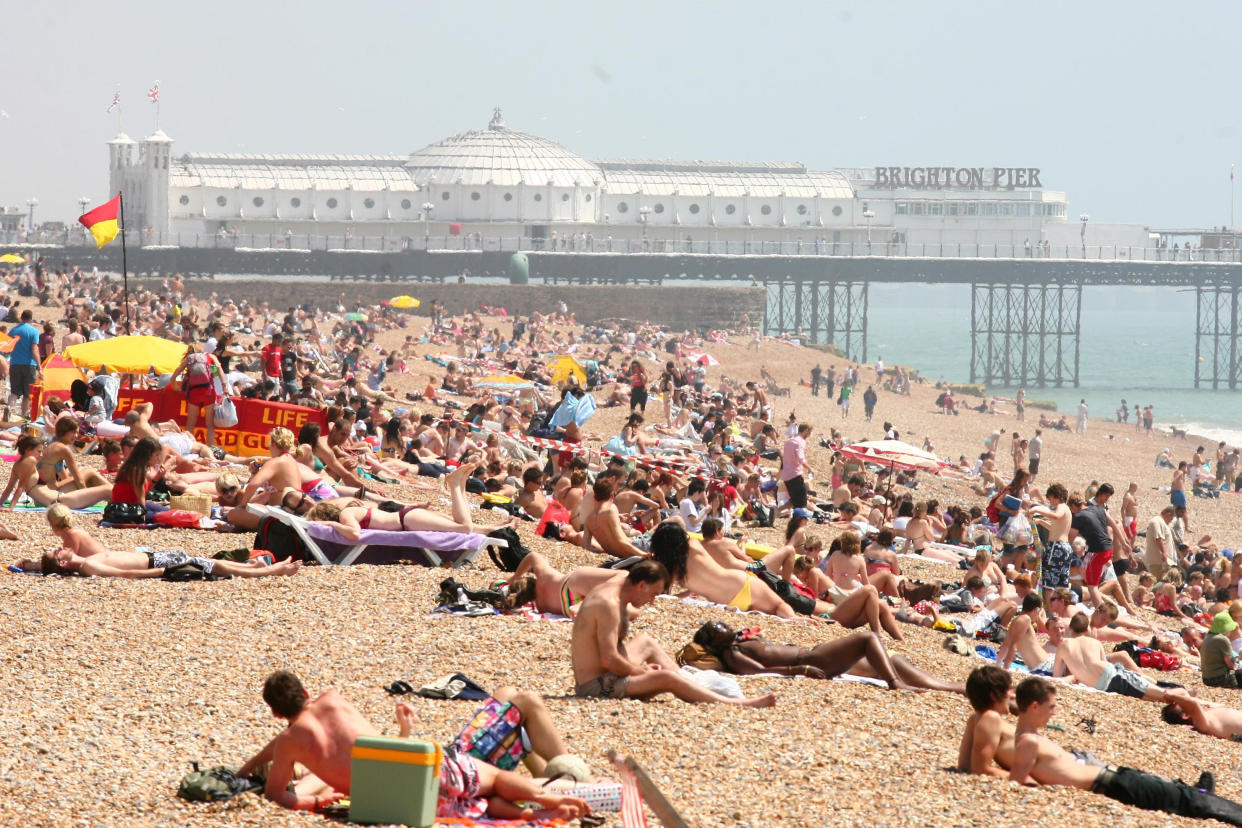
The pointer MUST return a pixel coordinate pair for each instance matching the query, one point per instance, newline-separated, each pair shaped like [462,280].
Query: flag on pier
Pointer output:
[154,94]
[102,221]
[116,101]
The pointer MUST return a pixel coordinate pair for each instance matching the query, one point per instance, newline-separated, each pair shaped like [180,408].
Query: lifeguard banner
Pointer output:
[255,418]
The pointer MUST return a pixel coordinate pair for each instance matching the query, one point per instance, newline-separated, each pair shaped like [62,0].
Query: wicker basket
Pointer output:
[200,503]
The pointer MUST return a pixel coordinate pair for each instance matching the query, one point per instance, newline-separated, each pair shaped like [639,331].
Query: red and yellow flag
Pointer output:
[102,221]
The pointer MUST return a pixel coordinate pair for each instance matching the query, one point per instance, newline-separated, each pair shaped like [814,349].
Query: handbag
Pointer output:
[225,413]
[125,513]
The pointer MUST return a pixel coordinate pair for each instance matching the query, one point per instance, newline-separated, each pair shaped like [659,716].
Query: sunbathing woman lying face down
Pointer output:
[349,516]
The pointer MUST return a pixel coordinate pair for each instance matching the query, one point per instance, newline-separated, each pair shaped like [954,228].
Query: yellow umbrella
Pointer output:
[404,302]
[128,354]
[564,367]
[12,258]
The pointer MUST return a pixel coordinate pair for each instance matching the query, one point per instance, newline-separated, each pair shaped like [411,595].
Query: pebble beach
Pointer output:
[113,687]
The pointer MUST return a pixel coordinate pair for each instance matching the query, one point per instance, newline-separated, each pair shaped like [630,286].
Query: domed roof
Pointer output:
[501,157]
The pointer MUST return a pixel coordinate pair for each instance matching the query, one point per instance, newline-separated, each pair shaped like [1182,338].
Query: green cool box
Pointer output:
[394,781]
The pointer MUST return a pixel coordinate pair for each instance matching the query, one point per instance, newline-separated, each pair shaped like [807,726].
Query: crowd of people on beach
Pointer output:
[1069,585]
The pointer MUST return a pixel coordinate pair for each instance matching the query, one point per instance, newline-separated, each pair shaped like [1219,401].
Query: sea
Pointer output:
[1137,344]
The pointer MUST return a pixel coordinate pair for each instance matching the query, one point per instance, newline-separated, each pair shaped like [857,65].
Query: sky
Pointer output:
[1130,108]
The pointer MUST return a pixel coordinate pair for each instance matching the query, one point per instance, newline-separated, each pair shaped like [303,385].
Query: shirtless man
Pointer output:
[691,566]
[1020,638]
[986,748]
[1037,760]
[1129,512]
[321,735]
[724,551]
[847,491]
[607,667]
[605,527]
[1058,554]
[1177,492]
[139,564]
[1083,657]
[1206,717]
[532,498]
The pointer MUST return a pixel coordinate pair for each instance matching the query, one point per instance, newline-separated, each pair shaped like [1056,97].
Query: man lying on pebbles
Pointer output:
[81,554]
[992,746]
[607,666]
[321,735]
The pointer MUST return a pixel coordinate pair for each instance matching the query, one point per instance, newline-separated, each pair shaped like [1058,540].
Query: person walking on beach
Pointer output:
[1082,418]
[1177,492]
[1034,450]
[1020,404]
[793,464]
[816,373]
[869,400]
[844,399]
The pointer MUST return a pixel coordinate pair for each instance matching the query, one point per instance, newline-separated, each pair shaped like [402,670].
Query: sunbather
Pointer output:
[607,666]
[24,479]
[147,563]
[746,652]
[556,591]
[321,735]
[349,516]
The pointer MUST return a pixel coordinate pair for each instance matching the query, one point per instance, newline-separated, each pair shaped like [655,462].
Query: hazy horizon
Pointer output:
[1119,105]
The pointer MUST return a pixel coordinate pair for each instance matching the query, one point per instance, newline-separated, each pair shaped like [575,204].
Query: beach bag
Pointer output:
[1156,660]
[178,518]
[1016,531]
[125,513]
[993,509]
[225,412]
[279,539]
[214,785]
[507,557]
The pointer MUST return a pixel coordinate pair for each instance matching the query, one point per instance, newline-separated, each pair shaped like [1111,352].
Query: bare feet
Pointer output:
[285,567]
[901,685]
[457,477]
[768,700]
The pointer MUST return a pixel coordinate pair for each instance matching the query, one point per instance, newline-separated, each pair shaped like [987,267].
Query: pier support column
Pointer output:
[1216,336]
[819,312]
[1022,334]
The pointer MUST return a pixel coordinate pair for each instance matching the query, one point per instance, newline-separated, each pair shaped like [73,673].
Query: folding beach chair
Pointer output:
[375,546]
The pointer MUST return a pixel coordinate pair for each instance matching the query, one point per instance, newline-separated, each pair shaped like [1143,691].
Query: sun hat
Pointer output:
[879,500]
[1222,622]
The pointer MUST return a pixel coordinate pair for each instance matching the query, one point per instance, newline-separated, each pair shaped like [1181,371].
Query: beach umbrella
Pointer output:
[59,374]
[893,453]
[356,317]
[12,258]
[564,367]
[404,302]
[128,354]
[706,359]
[503,382]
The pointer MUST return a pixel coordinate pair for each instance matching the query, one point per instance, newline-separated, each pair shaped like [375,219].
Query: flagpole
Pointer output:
[124,262]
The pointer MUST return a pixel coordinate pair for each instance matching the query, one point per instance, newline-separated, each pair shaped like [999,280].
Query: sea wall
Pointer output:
[681,307]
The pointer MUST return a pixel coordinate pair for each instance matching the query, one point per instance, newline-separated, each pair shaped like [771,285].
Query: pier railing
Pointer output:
[589,243]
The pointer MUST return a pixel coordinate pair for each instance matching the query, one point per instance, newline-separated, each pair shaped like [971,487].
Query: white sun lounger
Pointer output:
[328,547]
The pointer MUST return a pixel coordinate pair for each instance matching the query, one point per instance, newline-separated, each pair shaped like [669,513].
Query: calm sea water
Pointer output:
[1138,343]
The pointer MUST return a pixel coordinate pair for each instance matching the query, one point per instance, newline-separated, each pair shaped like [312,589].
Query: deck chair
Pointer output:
[375,546]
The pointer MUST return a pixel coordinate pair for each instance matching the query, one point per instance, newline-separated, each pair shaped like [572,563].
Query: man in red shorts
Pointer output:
[1098,529]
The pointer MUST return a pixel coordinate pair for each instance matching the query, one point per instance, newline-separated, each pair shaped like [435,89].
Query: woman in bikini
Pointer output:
[58,466]
[24,479]
[921,538]
[349,516]
[986,568]
[283,471]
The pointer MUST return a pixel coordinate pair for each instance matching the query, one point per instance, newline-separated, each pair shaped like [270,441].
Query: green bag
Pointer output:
[214,785]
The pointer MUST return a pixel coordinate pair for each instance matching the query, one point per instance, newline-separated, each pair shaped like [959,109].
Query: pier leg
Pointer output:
[1019,333]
